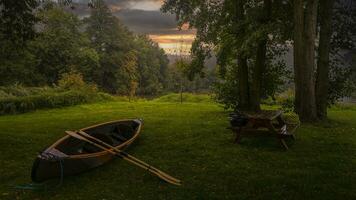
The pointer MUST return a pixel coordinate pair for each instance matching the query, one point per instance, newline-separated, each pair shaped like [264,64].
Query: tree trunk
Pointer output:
[258,71]
[242,75]
[298,18]
[242,67]
[304,52]
[322,76]
[260,65]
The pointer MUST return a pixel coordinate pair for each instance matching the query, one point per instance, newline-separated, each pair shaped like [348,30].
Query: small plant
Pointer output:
[286,100]
[71,80]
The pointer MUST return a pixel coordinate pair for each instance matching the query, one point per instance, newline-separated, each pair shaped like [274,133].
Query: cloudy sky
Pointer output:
[144,16]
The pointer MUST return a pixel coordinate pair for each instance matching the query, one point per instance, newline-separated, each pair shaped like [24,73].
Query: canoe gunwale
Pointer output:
[100,153]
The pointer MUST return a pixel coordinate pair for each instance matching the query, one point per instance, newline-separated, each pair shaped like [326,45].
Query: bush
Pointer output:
[13,105]
[286,100]
[74,81]
[72,90]
[20,91]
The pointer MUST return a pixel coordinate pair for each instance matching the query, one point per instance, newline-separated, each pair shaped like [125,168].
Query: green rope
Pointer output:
[44,186]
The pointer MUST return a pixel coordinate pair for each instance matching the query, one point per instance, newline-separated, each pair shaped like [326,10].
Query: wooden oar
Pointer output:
[121,155]
[84,134]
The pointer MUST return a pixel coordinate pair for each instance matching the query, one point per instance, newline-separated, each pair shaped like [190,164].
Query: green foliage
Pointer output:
[61,47]
[97,47]
[17,21]
[178,79]
[284,101]
[128,75]
[342,71]
[226,91]
[17,63]
[232,29]
[21,104]
[71,80]
[274,81]
[74,81]
[17,90]
[111,40]
[287,104]
[72,90]
[128,63]
[152,67]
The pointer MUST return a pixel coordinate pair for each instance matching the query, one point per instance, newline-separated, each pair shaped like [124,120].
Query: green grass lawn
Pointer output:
[191,142]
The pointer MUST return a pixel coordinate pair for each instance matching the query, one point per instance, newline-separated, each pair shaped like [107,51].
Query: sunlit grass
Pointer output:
[189,141]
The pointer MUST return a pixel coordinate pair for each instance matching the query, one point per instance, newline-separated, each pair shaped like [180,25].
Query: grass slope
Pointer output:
[186,97]
[189,141]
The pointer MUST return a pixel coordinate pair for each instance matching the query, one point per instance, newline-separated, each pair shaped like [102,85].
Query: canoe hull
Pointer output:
[52,163]
[46,169]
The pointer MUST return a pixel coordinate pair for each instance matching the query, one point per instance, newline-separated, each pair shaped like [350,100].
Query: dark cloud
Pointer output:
[148,22]
[124,4]
[138,21]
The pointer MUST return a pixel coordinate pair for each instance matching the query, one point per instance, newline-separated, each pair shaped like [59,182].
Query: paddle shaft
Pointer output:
[82,133]
[121,155]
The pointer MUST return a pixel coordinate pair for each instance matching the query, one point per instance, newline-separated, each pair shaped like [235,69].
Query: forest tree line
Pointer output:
[40,41]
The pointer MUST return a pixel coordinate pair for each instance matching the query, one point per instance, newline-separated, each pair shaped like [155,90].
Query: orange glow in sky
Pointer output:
[174,43]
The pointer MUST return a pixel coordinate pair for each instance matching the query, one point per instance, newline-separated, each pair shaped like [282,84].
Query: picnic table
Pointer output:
[266,123]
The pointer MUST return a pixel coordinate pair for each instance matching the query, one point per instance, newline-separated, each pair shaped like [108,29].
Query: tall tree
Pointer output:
[111,40]
[17,20]
[128,75]
[305,24]
[260,63]
[61,46]
[242,67]
[322,75]
[335,28]
[152,66]
[237,31]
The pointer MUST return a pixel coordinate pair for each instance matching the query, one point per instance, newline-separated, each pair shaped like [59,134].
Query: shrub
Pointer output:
[74,81]
[286,100]
[21,91]
[13,105]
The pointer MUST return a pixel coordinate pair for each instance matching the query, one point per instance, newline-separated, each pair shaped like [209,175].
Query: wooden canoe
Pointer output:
[70,156]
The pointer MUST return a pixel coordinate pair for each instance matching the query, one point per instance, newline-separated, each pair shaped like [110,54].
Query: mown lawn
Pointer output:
[190,142]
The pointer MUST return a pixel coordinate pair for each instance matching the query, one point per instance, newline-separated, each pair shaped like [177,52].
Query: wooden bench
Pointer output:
[266,123]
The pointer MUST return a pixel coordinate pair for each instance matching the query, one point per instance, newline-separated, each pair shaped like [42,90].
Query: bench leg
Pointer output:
[293,137]
[237,136]
[284,144]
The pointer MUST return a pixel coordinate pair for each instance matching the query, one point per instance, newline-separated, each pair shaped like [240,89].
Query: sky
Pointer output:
[145,17]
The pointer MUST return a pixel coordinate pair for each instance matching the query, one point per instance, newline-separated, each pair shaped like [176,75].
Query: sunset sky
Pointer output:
[144,16]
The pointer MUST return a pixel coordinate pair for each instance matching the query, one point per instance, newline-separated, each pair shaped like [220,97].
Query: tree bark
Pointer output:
[260,65]
[304,58]
[322,76]
[298,18]
[242,75]
[242,67]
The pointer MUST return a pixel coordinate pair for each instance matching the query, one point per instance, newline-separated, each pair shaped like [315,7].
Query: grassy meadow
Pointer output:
[189,141]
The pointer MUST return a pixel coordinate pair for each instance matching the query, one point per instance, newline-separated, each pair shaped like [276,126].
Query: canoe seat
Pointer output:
[122,132]
[119,137]
[89,148]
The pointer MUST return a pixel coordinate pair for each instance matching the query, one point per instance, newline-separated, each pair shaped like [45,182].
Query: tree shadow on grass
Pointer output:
[329,123]
[264,144]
